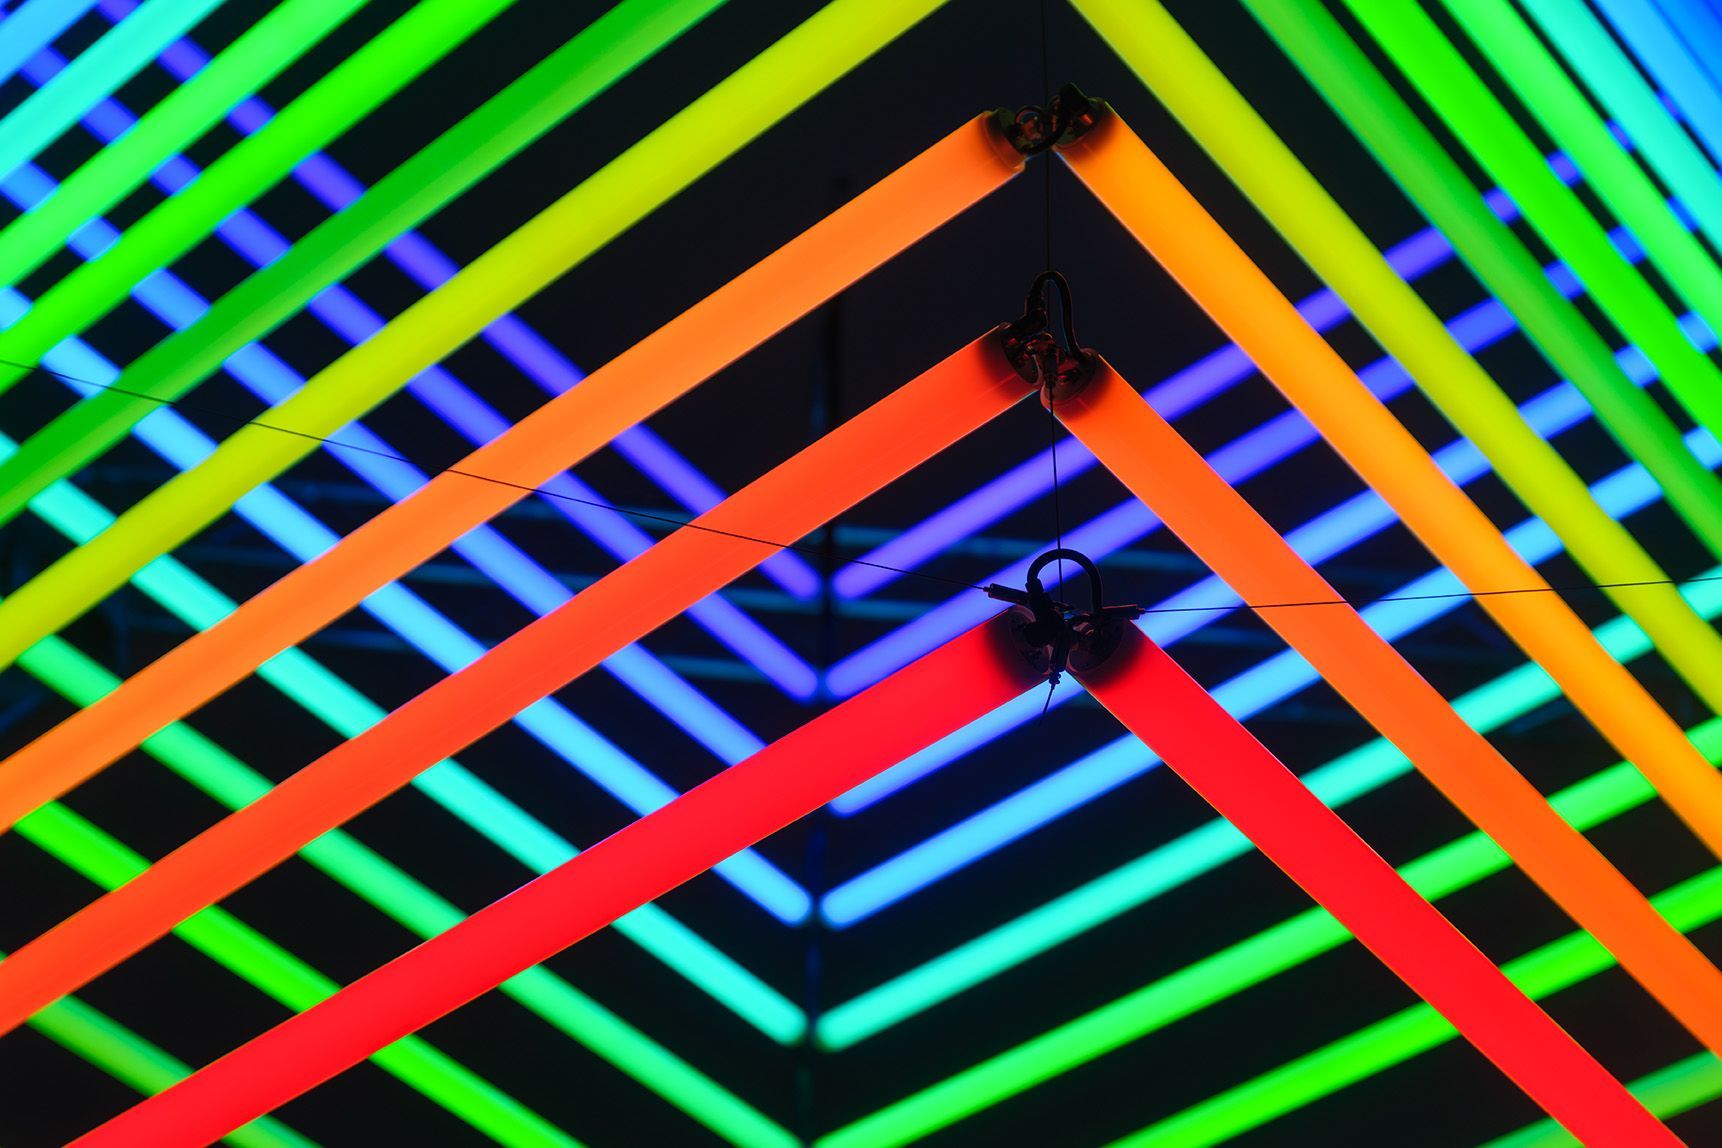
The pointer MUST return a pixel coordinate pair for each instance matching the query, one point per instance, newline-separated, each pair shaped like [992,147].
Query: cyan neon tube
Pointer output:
[549,722]
[35,25]
[1698,23]
[349,713]
[1244,695]
[647,858]
[121,53]
[278,974]
[1670,63]
[1577,34]
[400,897]
[361,82]
[475,419]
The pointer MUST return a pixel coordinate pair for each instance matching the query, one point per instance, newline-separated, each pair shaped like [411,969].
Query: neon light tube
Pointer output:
[1699,26]
[785,781]
[282,36]
[1580,37]
[1222,974]
[33,26]
[446,645]
[1473,114]
[469,798]
[1680,1087]
[280,975]
[946,179]
[921,418]
[347,712]
[1567,116]
[1127,177]
[95,1037]
[1147,691]
[1171,64]
[558,86]
[1540,972]
[423,263]
[339,99]
[1215,522]
[799,276]
[1387,126]
[123,52]
[1659,48]
[344,313]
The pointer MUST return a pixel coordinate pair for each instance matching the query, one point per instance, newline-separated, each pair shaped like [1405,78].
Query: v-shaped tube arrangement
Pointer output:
[958,683]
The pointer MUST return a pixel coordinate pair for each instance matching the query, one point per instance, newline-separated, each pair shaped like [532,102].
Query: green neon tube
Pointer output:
[605,51]
[276,972]
[130,1059]
[1170,63]
[1239,966]
[1680,1087]
[402,51]
[417,908]
[1597,58]
[1387,126]
[771,85]
[258,56]
[124,51]
[1567,116]
[1472,113]
[1557,965]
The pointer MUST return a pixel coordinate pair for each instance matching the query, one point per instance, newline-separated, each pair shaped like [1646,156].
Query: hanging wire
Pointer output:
[683,523]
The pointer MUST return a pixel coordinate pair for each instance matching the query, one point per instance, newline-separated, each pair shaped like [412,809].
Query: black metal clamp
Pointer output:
[1052,634]
[1059,368]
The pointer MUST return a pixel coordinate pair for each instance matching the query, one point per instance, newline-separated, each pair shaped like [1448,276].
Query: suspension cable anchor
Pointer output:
[1055,636]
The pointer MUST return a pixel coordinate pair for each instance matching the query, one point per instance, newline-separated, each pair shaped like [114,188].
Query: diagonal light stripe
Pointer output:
[269,968]
[349,713]
[1659,48]
[123,52]
[34,26]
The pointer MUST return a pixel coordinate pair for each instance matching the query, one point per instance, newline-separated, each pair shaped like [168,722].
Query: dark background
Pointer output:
[970,56]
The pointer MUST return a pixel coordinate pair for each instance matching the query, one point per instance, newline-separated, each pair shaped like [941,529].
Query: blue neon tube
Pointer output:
[348,712]
[1272,681]
[119,55]
[548,721]
[522,346]
[33,27]
[1659,48]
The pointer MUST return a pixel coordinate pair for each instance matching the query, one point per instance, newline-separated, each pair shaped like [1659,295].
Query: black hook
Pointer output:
[1056,629]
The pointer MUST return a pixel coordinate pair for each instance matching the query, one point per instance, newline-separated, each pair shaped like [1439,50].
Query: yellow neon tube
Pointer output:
[1127,177]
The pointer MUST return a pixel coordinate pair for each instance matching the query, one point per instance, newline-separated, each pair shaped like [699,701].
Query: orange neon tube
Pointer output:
[1131,439]
[885,441]
[852,241]
[1166,219]
[960,682]
[1147,691]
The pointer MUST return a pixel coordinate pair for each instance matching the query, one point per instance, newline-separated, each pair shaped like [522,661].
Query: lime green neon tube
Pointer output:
[1567,116]
[276,972]
[402,51]
[1387,126]
[1241,965]
[255,58]
[1165,58]
[1473,114]
[127,48]
[785,75]
[417,908]
[1557,965]
[555,88]
[1597,58]
[132,1060]
[348,712]
[1667,1092]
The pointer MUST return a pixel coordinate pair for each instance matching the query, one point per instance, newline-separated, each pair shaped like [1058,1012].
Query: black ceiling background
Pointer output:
[970,56]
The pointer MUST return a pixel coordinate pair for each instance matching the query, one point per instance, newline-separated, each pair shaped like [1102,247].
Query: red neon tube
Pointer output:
[888,439]
[1152,695]
[950,687]
[1150,457]
[861,235]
